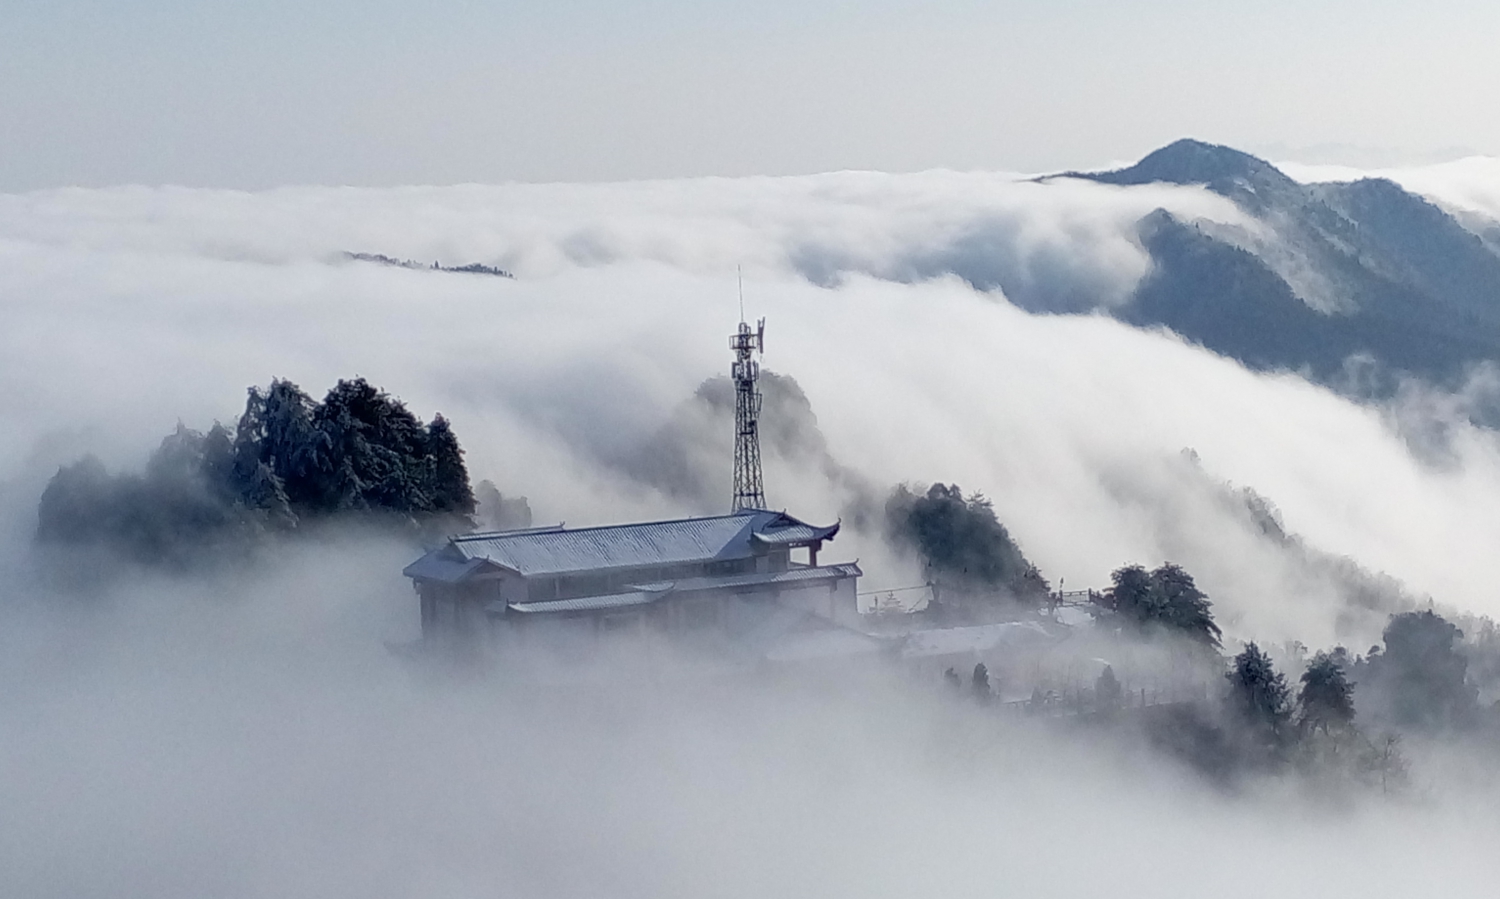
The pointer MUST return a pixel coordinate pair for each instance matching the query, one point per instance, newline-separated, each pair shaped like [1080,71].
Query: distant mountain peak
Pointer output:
[1187,161]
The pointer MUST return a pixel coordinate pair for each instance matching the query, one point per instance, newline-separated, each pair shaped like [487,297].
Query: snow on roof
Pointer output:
[980,638]
[793,534]
[1073,616]
[434,567]
[758,578]
[559,550]
[589,603]
[641,594]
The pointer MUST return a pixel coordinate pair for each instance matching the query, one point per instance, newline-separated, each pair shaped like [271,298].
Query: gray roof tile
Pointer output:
[558,550]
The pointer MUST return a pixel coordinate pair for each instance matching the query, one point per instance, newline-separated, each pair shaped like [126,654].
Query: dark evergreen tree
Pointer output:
[1420,681]
[980,682]
[276,431]
[78,505]
[1326,700]
[1258,693]
[375,456]
[497,512]
[174,511]
[165,516]
[289,459]
[1162,600]
[263,492]
[449,490]
[218,462]
[1107,690]
[178,457]
[1134,595]
[1185,607]
[963,546]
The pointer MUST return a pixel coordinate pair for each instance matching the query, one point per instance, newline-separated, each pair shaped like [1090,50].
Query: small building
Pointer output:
[731,575]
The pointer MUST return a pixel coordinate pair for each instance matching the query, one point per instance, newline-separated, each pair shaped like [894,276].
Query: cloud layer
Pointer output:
[131,308]
[254,737]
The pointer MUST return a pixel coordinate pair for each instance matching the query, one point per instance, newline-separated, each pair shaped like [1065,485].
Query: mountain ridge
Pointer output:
[1360,269]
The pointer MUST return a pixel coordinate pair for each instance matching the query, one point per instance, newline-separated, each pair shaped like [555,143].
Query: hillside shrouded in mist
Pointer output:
[245,732]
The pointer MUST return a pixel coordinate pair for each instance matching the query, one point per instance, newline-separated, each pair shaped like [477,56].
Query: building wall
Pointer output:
[456,611]
[836,601]
[462,613]
[602,583]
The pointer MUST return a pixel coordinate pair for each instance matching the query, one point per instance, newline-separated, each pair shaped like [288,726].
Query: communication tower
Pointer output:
[749,488]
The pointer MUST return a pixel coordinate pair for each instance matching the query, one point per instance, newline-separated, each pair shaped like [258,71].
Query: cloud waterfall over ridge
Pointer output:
[138,307]
[1071,242]
[253,737]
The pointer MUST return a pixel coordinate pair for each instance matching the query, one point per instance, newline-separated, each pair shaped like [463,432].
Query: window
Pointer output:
[729,566]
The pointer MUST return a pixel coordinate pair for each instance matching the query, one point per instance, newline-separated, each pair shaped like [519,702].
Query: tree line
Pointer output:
[288,462]
[1343,712]
[976,569]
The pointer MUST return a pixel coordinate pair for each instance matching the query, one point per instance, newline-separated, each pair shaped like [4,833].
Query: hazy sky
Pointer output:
[262,92]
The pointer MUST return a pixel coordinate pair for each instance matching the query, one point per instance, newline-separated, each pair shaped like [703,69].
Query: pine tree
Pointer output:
[1326,699]
[963,545]
[1421,680]
[262,490]
[1107,689]
[289,458]
[1134,595]
[1258,692]
[78,504]
[449,490]
[276,430]
[1164,599]
[179,456]
[218,462]
[1185,607]
[375,451]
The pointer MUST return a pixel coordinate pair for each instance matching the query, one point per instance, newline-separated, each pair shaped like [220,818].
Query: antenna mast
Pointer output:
[749,489]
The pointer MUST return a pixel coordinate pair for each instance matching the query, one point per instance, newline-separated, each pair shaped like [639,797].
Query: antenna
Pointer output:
[739,277]
[749,487]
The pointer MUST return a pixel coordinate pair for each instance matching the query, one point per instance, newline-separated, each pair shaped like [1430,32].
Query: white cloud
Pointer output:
[183,741]
[134,308]
[1469,185]
[256,739]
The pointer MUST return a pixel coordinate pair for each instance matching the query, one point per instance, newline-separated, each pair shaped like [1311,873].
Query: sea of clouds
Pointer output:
[128,310]
[253,737]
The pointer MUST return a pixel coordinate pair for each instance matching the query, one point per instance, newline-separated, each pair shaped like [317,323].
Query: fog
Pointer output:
[1470,184]
[169,750]
[247,732]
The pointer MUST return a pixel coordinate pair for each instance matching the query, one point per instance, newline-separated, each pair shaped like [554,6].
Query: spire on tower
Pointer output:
[749,488]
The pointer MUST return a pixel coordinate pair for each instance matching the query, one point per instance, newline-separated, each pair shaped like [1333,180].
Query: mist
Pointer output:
[247,732]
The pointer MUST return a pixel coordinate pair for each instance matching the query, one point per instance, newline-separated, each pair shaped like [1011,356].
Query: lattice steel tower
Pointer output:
[749,489]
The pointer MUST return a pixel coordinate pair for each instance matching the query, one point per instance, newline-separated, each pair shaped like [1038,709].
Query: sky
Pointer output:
[246,732]
[262,93]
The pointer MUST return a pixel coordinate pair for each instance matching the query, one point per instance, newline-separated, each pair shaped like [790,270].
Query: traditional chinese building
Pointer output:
[730,574]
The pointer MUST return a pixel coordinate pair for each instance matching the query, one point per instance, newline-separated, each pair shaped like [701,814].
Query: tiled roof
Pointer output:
[758,578]
[589,603]
[436,567]
[979,638]
[797,534]
[559,550]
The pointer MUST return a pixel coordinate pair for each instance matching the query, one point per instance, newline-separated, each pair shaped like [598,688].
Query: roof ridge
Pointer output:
[563,529]
[511,532]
